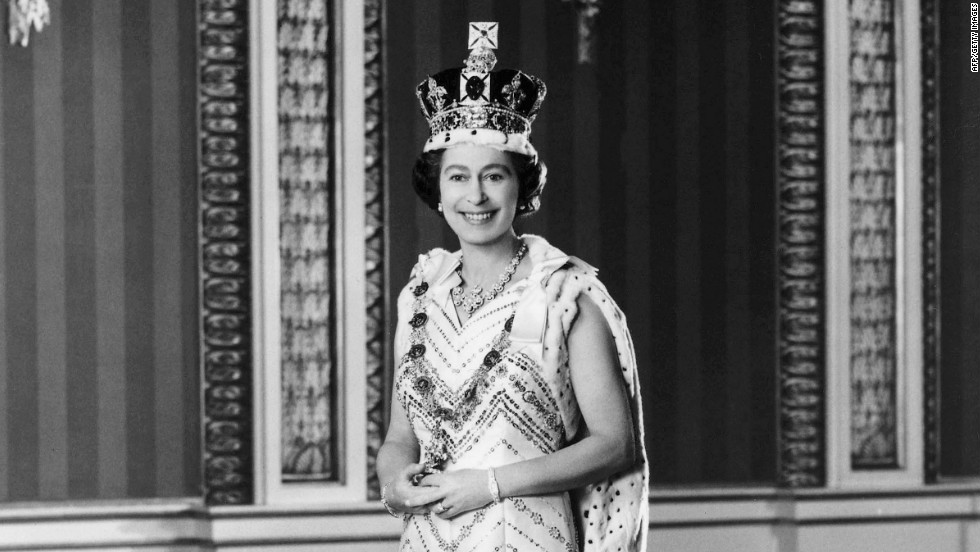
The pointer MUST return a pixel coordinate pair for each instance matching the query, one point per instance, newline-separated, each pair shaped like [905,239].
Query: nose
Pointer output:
[475,194]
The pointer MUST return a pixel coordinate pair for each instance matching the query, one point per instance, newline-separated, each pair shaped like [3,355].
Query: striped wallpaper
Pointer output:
[661,173]
[959,253]
[98,317]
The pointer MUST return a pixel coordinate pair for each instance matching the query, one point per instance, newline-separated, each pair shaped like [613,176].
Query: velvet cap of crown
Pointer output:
[476,105]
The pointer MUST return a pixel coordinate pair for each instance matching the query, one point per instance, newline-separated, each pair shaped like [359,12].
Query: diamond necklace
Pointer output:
[476,297]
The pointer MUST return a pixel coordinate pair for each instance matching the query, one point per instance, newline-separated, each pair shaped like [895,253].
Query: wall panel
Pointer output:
[98,179]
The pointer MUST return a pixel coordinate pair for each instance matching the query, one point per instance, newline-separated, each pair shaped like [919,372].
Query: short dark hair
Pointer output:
[531,177]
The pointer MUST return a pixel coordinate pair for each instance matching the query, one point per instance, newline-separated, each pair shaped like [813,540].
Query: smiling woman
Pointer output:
[516,407]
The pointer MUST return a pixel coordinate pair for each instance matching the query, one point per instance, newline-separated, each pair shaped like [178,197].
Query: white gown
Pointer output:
[489,393]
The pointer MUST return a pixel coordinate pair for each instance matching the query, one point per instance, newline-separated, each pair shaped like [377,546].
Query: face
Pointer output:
[478,188]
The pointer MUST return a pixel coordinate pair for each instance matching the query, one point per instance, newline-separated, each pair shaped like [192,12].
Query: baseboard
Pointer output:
[767,519]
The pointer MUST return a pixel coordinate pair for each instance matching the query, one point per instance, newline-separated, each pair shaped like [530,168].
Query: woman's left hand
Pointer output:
[456,492]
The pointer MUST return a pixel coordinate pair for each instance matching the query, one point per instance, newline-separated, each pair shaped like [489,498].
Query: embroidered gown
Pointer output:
[481,394]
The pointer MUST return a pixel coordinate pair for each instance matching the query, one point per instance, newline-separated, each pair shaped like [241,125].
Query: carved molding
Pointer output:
[930,233]
[375,236]
[800,249]
[226,302]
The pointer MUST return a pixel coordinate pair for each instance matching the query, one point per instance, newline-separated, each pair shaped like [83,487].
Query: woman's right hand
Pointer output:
[403,496]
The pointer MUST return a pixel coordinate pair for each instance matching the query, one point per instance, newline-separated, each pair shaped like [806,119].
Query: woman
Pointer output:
[515,418]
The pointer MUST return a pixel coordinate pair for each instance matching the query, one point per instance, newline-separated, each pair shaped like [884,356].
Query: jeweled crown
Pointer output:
[475,104]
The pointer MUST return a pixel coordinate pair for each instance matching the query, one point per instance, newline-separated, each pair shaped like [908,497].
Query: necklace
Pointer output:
[476,297]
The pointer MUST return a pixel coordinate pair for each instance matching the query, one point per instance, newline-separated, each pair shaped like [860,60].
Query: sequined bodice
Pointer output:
[468,387]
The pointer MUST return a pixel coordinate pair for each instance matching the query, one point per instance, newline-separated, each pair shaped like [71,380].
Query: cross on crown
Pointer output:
[483,35]
[482,43]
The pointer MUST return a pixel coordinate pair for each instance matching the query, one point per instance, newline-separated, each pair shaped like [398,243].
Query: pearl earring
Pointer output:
[439,207]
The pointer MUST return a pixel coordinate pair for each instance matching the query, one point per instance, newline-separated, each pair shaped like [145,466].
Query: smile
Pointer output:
[478,217]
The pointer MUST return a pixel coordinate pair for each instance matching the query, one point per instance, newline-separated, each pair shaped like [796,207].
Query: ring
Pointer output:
[442,507]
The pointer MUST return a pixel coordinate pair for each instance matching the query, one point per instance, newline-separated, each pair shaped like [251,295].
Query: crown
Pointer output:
[476,105]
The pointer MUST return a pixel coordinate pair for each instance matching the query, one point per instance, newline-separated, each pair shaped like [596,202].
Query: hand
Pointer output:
[450,494]
[403,496]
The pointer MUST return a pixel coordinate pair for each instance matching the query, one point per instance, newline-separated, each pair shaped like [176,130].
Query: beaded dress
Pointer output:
[489,392]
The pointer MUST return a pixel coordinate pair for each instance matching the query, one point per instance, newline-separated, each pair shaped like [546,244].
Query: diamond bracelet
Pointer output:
[492,485]
[384,500]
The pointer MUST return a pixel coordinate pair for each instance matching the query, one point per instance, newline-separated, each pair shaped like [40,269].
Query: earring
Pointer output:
[439,207]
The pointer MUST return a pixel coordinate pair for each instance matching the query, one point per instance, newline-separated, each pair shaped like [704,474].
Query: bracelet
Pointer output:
[492,485]
[384,500]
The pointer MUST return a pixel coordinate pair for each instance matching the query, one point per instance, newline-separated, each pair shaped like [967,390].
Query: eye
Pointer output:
[457,177]
[494,177]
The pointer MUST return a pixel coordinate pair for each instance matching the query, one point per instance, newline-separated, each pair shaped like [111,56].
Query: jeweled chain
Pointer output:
[421,374]
[477,297]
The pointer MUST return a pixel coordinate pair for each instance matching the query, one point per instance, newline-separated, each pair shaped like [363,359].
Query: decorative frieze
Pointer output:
[375,236]
[801,258]
[930,234]
[226,300]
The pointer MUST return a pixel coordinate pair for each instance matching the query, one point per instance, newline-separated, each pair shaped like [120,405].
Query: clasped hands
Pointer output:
[445,494]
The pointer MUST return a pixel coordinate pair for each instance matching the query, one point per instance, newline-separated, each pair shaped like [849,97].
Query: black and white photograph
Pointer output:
[489,275]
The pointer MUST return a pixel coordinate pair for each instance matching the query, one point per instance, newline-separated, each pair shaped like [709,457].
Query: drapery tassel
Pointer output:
[22,15]
[588,11]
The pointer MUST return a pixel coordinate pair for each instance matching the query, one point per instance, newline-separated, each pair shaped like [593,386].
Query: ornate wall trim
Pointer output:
[307,241]
[225,293]
[873,187]
[375,236]
[800,247]
[929,21]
